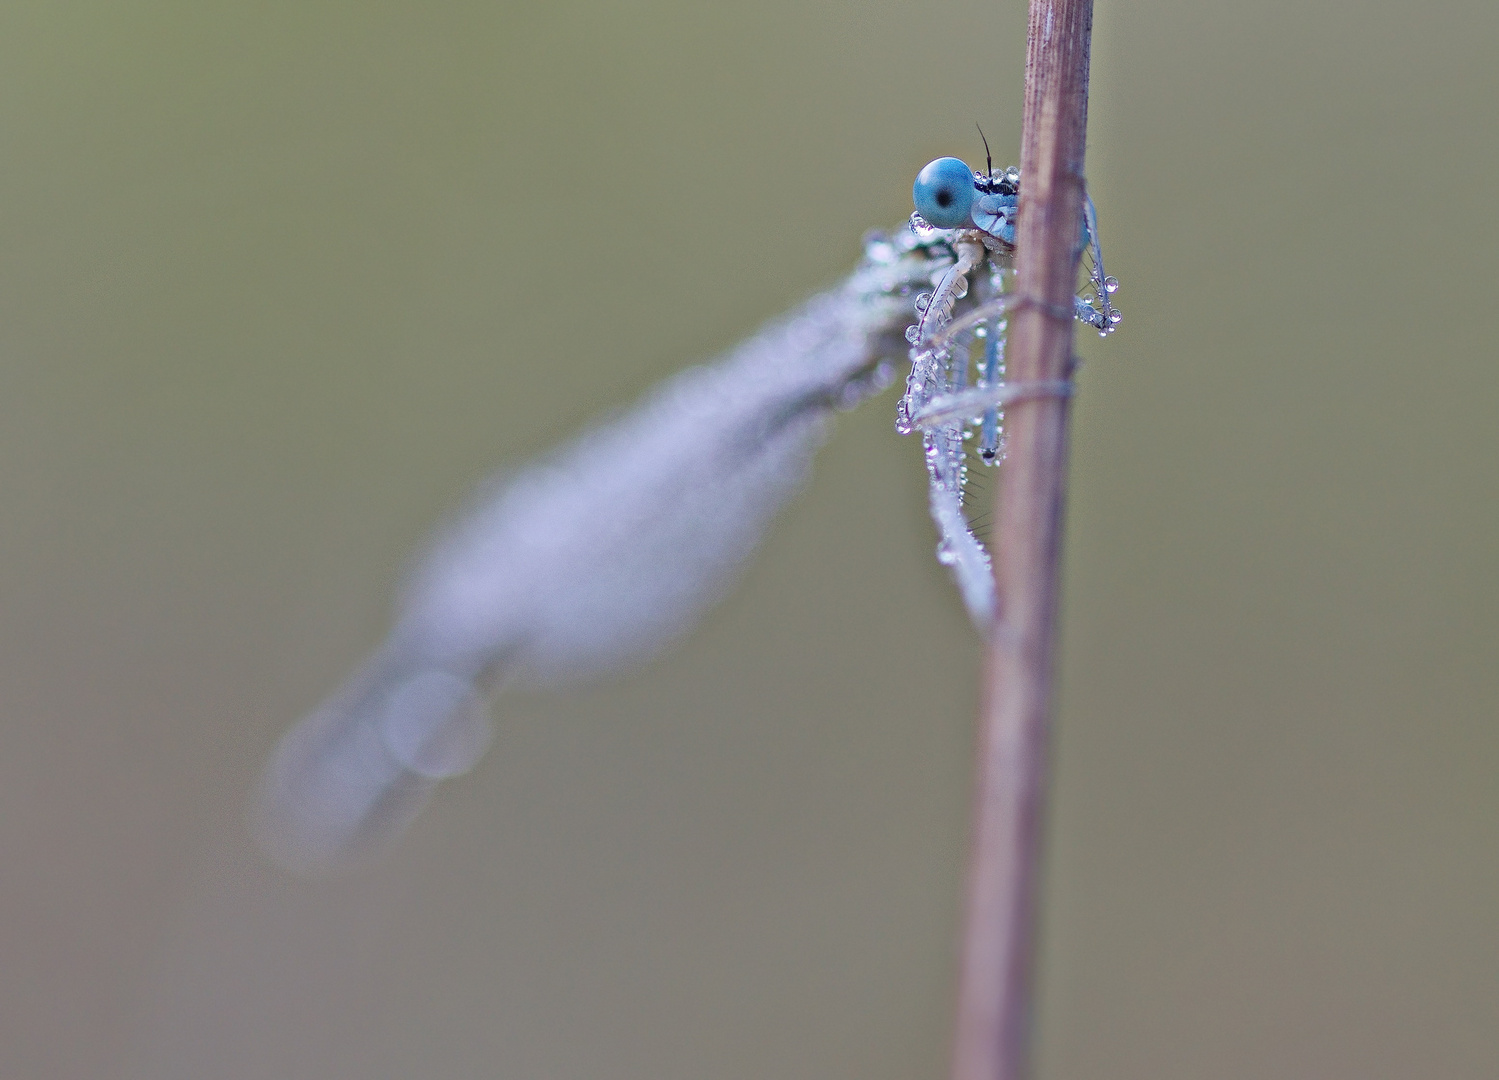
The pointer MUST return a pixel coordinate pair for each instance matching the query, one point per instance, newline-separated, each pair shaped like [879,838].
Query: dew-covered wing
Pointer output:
[592,558]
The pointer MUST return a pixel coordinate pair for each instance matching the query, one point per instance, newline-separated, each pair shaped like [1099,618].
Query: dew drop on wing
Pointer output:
[362,766]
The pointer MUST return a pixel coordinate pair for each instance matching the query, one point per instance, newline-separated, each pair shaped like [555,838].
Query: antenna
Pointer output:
[988,157]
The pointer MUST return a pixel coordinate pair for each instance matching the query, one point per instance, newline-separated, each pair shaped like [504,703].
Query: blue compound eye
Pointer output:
[943,193]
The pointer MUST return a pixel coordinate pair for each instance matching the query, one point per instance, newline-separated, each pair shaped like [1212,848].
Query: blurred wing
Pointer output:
[363,764]
[590,559]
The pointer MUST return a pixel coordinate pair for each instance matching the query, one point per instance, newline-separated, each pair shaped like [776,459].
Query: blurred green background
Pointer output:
[280,282]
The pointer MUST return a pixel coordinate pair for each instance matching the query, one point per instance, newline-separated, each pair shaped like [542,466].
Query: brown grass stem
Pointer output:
[995,982]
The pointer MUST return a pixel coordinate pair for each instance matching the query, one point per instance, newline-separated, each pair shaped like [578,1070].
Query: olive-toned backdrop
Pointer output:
[280,282]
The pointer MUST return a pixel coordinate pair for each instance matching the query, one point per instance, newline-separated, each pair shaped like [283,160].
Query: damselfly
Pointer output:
[605,551]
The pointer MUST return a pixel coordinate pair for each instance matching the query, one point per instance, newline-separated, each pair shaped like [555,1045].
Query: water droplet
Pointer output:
[923,302]
[1115,315]
[1111,284]
[913,334]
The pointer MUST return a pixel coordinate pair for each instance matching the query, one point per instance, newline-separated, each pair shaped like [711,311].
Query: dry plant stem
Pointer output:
[994,995]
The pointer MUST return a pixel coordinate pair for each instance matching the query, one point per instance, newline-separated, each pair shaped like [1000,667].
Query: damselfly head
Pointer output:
[944,192]
[950,195]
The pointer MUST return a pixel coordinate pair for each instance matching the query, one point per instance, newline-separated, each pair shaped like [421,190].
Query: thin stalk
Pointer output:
[996,979]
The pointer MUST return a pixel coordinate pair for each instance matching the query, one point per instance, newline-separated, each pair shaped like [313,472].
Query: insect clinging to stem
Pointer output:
[604,551]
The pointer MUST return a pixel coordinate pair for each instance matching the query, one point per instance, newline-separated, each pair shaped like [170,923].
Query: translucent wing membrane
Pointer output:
[592,558]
